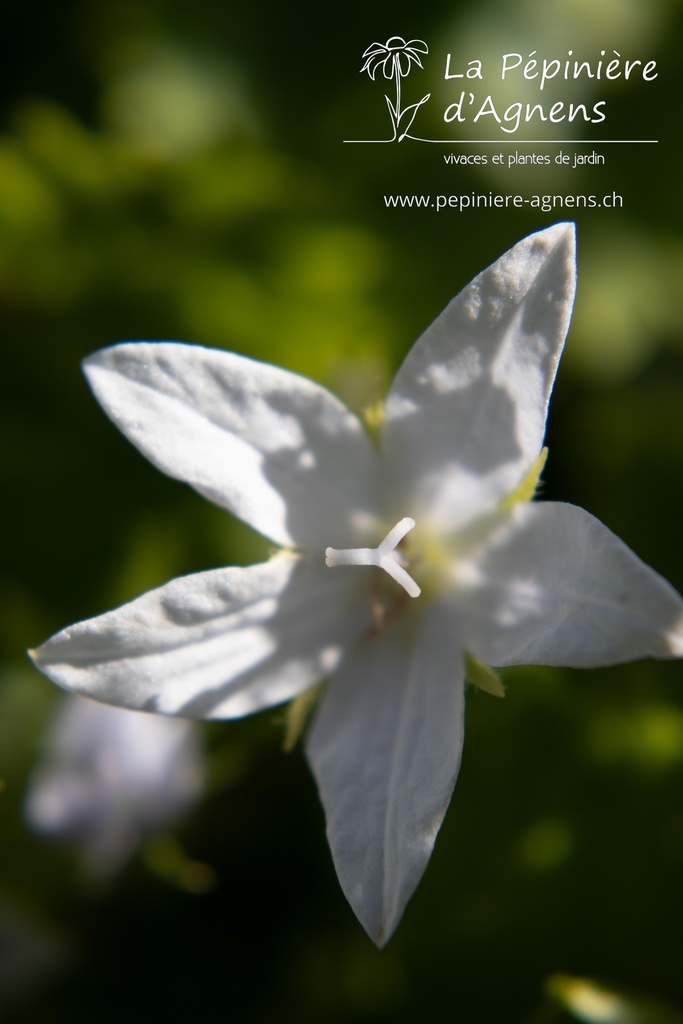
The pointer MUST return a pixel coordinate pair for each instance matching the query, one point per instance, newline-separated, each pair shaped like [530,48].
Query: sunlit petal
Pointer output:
[466,415]
[552,586]
[275,449]
[217,644]
[385,750]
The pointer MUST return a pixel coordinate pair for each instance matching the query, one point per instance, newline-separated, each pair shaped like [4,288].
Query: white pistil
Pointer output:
[383,556]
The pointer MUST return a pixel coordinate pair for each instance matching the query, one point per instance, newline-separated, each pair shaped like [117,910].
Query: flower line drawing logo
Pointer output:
[395,58]
[406,567]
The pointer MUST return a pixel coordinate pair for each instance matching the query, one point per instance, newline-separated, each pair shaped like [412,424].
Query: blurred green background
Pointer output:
[176,170]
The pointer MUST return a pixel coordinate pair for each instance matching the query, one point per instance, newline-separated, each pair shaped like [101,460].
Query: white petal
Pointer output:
[466,416]
[279,451]
[385,750]
[553,586]
[218,644]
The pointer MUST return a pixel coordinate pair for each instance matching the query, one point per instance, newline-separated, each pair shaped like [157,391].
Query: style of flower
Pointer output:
[110,777]
[405,564]
[395,58]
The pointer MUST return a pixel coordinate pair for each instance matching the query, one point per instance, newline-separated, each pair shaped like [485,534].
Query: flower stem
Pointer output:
[397,72]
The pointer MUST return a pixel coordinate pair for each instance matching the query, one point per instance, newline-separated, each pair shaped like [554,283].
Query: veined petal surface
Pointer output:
[551,585]
[218,644]
[277,450]
[466,415]
[385,750]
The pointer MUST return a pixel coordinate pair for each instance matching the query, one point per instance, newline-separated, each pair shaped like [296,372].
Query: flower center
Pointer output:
[385,556]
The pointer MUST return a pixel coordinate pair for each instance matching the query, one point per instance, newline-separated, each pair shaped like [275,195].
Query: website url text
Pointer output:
[494,200]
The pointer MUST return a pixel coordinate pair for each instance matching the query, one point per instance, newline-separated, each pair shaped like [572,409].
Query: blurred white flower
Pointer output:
[111,777]
[402,563]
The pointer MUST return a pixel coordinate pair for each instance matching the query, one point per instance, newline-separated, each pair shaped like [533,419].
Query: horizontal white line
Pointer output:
[519,142]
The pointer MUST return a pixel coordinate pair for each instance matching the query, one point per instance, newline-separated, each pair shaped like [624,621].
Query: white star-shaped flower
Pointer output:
[401,561]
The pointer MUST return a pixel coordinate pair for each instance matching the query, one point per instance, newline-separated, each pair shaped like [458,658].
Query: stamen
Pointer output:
[382,556]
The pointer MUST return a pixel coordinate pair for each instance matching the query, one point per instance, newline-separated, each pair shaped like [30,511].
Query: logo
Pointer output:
[540,98]
[394,59]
